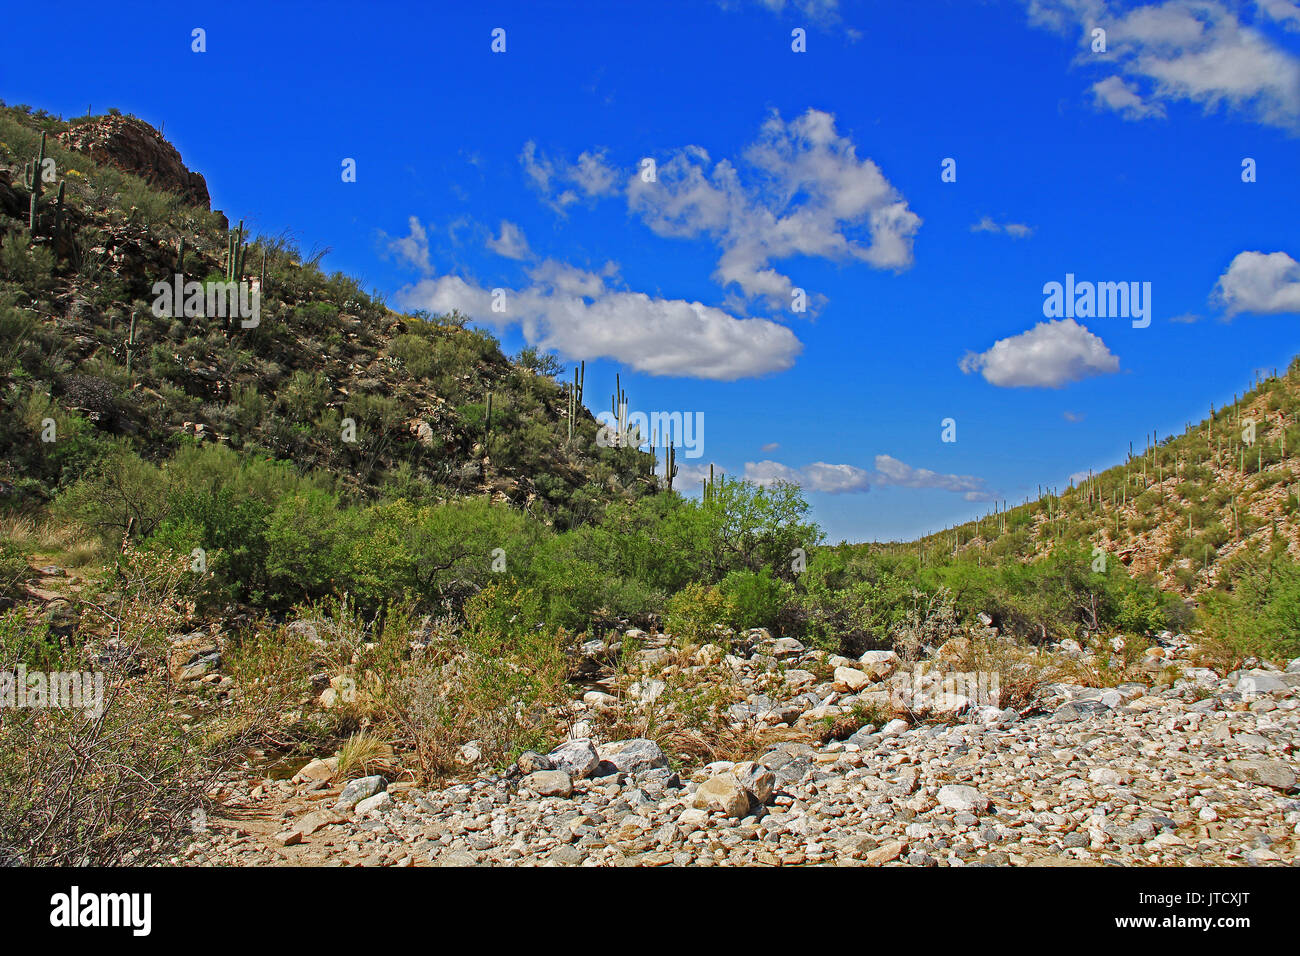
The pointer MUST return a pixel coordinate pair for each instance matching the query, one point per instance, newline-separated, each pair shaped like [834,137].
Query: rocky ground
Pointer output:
[1191,767]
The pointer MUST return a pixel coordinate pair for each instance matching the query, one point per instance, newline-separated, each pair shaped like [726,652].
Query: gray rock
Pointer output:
[1259,682]
[757,780]
[1268,773]
[577,758]
[361,788]
[634,756]
[379,803]
[549,783]
[531,762]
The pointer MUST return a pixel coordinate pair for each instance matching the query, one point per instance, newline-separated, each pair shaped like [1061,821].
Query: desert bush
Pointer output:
[692,614]
[755,599]
[1257,613]
[497,681]
[119,780]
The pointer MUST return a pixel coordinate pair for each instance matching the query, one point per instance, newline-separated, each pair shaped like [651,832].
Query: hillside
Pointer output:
[83,338]
[1183,508]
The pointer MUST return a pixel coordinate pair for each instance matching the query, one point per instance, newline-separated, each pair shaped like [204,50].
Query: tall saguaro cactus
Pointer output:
[575,395]
[130,345]
[33,179]
[235,250]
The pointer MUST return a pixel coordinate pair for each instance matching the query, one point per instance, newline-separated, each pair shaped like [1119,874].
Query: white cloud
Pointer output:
[511,243]
[1017,230]
[770,472]
[846,479]
[1266,283]
[689,476]
[411,251]
[562,184]
[805,193]
[822,12]
[771,446]
[1285,12]
[583,315]
[891,471]
[1047,356]
[1121,96]
[1199,51]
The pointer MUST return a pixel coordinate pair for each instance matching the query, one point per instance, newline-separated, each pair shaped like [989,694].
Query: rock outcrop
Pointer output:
[135,147]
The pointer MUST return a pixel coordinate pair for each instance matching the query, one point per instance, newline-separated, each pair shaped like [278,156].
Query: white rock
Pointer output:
[962,798]
[379,803]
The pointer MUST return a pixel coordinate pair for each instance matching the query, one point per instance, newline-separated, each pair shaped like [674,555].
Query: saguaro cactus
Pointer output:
[235,250]
[130,345]
[575,395]
[34,181]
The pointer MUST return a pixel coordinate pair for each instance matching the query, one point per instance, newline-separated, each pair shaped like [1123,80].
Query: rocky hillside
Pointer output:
[433,405]
[1181,507]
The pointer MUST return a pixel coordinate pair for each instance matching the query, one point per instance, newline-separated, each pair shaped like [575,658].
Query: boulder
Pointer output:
[531,762]
[756,779]
[379,803]
[633,756]
[878,665]
[577,758]
[549,783]
[361,788]
[193,657]
[850,679]
[962,799]
[1266,773]
[722,793]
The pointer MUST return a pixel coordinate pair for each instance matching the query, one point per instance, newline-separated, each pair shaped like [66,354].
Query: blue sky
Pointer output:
[775,170]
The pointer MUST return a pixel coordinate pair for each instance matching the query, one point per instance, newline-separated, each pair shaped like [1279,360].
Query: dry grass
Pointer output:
[362,755]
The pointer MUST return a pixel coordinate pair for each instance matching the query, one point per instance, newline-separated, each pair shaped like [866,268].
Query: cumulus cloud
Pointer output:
[1121,96]
[1265,283]
[1206,52]
[584,314]
[1017,230]
[846,479]
[689,476]
[412,250]
[1285,12]
[1049,355]
[511,243]
[561,184]
[803,192]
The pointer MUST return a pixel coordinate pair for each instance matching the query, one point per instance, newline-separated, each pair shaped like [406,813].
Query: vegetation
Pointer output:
[440,570]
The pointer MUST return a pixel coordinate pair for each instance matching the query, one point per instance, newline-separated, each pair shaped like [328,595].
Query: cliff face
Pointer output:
[135,147]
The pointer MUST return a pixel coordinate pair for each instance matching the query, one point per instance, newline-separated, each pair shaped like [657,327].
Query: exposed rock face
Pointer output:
[135,147]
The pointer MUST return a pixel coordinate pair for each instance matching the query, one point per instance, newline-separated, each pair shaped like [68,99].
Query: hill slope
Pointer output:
[83,343]
[1182,508]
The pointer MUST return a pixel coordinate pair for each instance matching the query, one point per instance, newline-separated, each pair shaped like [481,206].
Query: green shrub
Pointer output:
[755,599]
[691,613]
